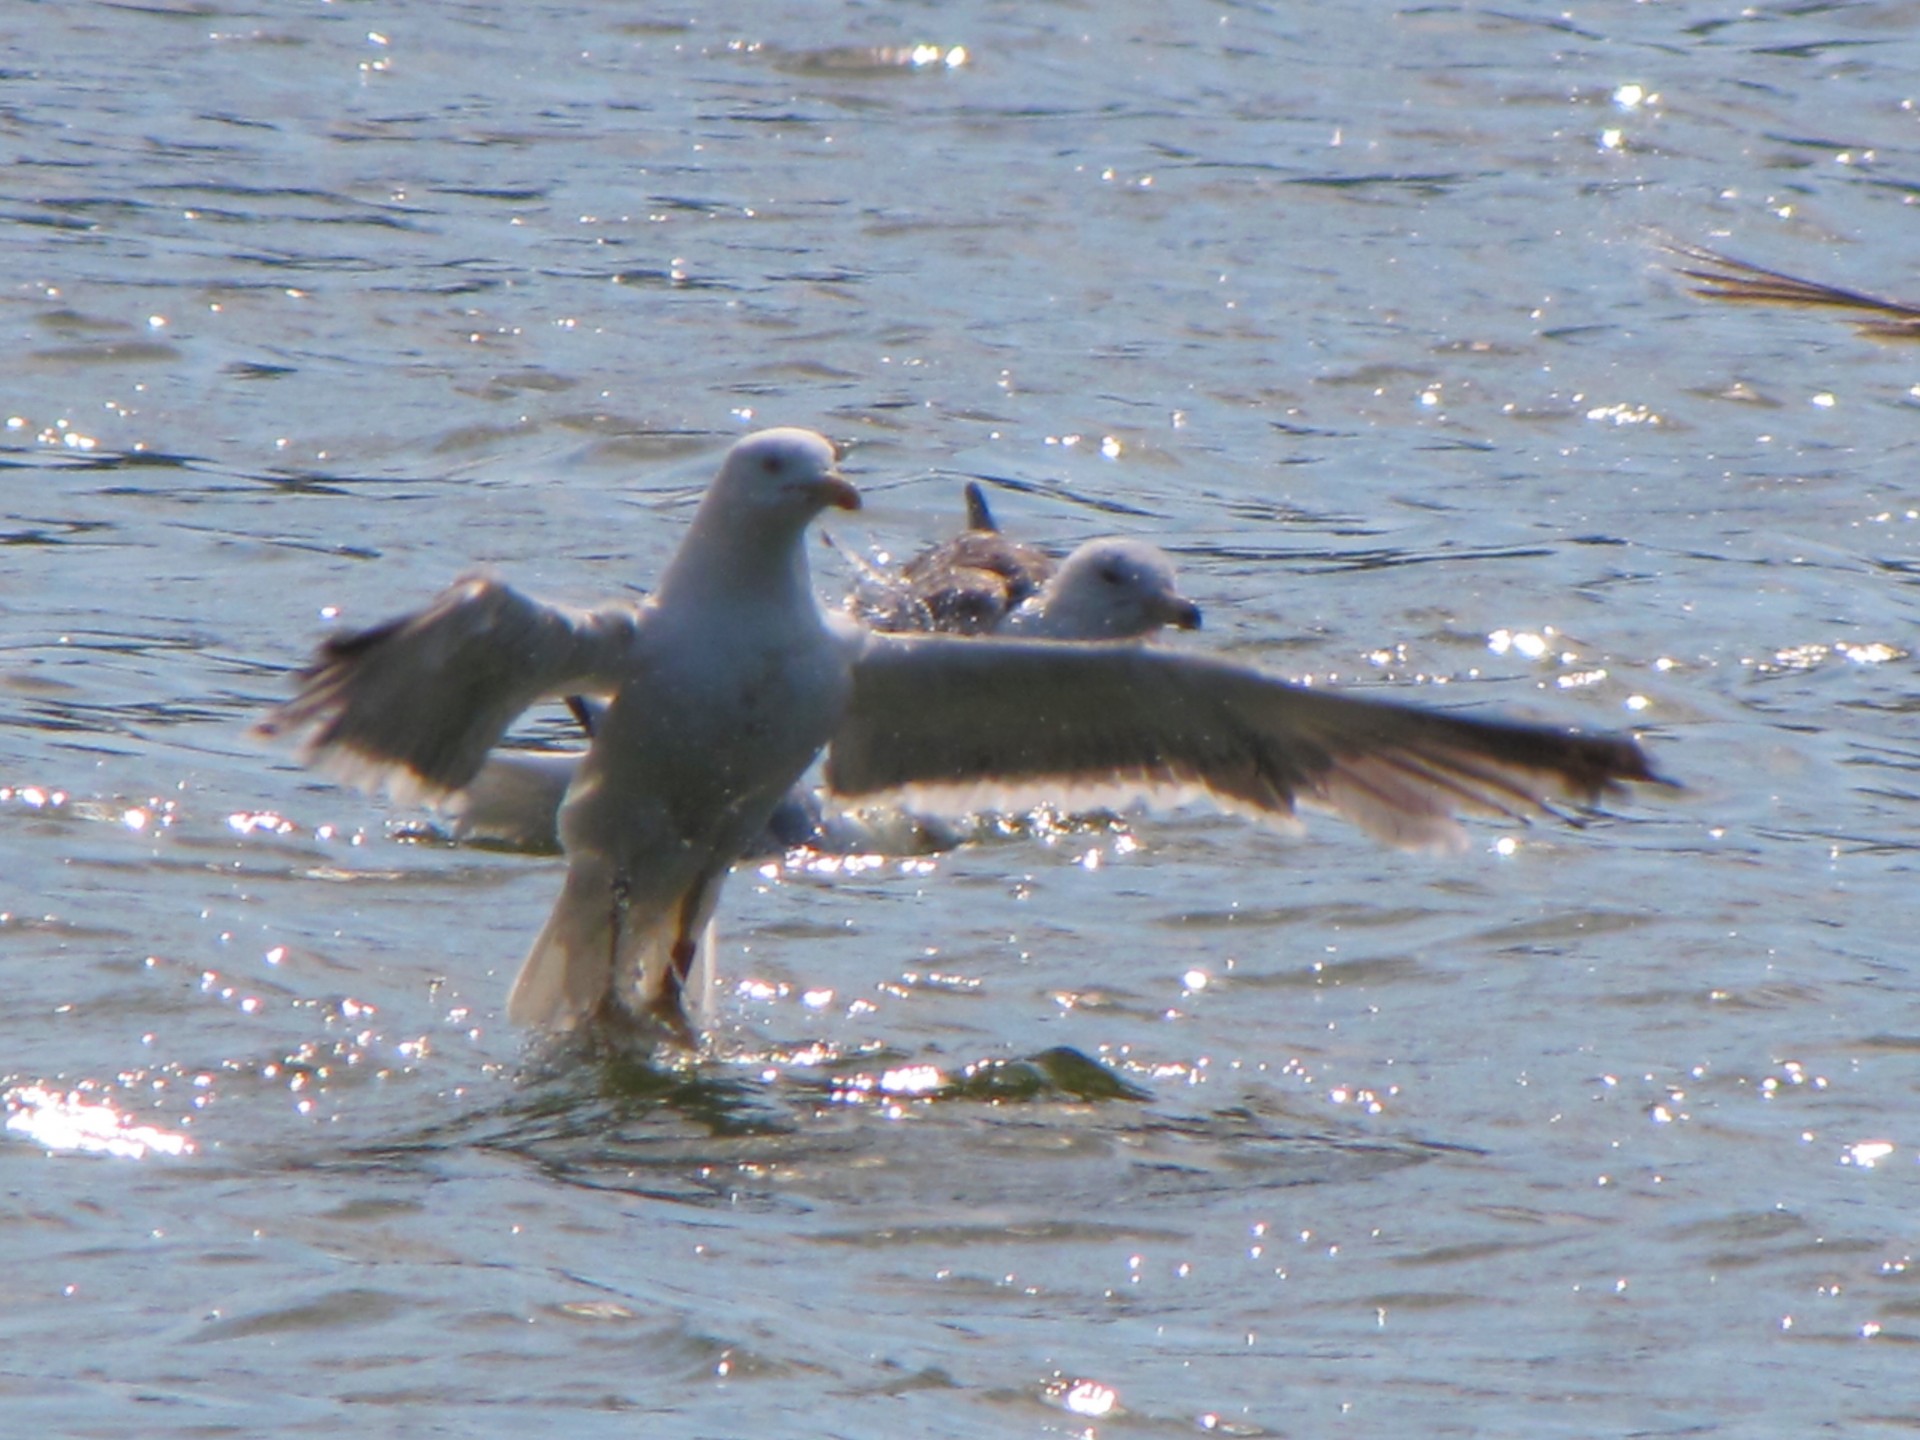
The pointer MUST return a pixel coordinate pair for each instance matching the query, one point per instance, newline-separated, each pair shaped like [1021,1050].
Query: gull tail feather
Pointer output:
[601,962]
[569,976]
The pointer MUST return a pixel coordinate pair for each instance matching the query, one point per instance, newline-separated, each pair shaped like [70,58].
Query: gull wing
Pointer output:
[955,725]
[1723,277]
[416,703]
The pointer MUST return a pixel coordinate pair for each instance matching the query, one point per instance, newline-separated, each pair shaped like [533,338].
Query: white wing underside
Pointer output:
[516,798]
[1398,815]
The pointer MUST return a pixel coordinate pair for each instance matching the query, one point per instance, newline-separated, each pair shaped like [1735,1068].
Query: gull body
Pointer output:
[662,808]
[730,680]
[721,688]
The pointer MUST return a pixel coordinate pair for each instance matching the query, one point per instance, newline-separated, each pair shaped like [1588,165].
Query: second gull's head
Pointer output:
[1107,590]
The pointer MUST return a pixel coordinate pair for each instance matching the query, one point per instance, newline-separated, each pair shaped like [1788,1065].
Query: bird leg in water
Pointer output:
[620,899]
[669,1006]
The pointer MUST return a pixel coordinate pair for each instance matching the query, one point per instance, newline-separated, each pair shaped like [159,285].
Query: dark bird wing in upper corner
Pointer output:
[1723,277]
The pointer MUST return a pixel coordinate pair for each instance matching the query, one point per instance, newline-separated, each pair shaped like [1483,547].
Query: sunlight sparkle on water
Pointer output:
[1368,1101]
[1867,1153]
[1876,653]
[34,797]
[70,1121]
[923,56]
[1521,642]
[1091,1398]
[905,1081]
[1792,1072]
[1807,656]
[243,822]
[1625,413]
[912,1080]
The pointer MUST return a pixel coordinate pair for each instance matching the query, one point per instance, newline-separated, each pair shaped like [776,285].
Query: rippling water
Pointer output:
[1148,1128]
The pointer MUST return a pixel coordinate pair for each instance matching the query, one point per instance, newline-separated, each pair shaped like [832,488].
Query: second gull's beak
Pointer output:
[1180,612]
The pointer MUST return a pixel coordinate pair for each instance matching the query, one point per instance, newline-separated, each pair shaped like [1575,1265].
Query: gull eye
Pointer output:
[772,464]
[1111,574]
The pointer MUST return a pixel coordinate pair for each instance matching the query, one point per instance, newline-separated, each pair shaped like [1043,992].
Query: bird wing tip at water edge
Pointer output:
[376,775]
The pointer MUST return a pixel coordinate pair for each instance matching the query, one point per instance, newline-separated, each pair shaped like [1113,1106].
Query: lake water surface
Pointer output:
[1152,1128]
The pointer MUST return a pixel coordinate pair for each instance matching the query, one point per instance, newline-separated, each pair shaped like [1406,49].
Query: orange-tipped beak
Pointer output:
[836,490]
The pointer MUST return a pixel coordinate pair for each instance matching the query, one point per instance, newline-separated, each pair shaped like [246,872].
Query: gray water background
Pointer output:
[1163,1128]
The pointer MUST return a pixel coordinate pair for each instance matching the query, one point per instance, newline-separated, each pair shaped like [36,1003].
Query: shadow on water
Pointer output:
[1050,1140]
[92,460]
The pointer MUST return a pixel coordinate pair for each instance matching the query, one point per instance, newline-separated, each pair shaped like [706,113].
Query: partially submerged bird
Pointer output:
[729,679]
[983,583]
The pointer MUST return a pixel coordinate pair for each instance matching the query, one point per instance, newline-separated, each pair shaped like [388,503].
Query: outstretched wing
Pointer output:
[957,725]
[416,703]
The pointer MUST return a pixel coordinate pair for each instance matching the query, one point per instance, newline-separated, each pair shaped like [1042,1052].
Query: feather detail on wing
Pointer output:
[955,725]
[416,703]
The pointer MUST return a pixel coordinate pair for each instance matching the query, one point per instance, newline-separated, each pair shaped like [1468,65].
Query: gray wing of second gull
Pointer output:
[952,725]
[416,704]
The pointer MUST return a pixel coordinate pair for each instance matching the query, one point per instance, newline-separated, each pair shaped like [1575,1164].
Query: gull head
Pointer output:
[746,532]
[788,475]
[1108,590]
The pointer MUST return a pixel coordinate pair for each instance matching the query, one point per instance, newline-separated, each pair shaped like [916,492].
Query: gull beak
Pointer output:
[1180,612]
[836,490]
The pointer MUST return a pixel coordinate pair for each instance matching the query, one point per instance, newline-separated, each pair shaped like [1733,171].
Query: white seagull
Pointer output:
[979,582]
[729,679]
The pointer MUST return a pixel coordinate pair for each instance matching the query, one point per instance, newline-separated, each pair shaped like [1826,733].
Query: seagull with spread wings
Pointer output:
[979,582]
[726,683]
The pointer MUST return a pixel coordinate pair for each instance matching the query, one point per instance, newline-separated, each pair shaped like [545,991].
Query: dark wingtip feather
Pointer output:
[979,517]
[1593,767]
[347,644]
